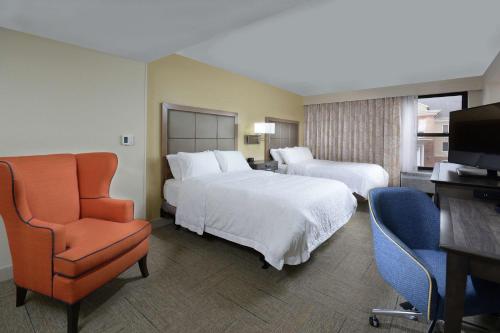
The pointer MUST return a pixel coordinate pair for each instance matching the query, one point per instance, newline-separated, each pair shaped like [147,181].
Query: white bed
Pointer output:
[283,217]
[282,168]
[171,191]
[359,177]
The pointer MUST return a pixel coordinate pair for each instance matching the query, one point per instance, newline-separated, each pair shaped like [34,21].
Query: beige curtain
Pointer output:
[358,131]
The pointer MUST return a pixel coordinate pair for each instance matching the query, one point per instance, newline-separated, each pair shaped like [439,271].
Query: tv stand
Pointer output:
[492,173]
[464,171]
[448,182]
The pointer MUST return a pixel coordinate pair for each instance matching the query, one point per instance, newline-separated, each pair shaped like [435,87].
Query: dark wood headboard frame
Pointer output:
[166,173]
[267,149]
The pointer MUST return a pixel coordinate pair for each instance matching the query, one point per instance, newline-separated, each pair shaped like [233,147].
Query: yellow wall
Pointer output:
[180,80]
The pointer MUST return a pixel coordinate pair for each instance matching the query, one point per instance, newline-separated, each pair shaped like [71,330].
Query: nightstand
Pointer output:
[264,165]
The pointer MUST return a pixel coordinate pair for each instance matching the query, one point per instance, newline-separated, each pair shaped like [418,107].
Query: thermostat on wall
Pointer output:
[127,140]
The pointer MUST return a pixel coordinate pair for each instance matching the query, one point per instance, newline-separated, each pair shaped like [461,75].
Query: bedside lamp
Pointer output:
[264,128]
[259,129]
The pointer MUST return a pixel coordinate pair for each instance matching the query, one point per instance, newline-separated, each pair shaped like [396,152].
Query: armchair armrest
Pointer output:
[115,210]
[58,233]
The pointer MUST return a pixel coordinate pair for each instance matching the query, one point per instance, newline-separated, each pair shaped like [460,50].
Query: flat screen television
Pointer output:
[475,138]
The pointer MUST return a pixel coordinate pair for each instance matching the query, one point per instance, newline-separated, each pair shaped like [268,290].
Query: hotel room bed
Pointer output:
[359,177]
[171,191]
[209,187]
[283,217]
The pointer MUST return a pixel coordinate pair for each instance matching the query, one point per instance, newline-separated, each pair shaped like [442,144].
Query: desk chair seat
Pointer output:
[405,227]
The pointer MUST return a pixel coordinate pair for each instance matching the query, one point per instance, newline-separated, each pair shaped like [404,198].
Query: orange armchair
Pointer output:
[66,236]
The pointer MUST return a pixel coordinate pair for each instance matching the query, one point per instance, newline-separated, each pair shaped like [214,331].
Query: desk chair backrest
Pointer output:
[404,220]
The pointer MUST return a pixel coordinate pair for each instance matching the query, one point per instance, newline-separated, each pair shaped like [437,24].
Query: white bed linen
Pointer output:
[359,177]
[282,168]
[171,191]
[283,217]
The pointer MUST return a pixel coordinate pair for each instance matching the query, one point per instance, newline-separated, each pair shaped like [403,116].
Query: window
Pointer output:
[434,126]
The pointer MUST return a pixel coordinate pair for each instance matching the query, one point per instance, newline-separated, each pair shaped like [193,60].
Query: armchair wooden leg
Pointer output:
[20,296]
[143,266]
[73,311]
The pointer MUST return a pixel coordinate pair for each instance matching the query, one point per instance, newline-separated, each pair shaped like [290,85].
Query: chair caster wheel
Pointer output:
[374,321]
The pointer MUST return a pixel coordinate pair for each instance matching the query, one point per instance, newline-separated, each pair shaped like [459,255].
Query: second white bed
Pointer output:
[283,217]
[359,177]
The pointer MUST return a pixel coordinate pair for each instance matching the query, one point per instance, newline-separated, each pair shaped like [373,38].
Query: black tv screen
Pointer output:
[475,137]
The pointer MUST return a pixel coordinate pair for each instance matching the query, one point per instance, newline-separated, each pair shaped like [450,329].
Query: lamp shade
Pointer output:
[264,128]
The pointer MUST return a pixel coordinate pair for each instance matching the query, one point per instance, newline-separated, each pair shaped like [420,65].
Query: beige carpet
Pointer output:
[204,284]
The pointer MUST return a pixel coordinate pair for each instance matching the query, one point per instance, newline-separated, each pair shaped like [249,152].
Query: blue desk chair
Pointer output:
[405,227]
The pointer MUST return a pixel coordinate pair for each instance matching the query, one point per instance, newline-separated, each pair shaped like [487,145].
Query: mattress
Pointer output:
[359,177]
[282,168]
[171,191]
[283,217]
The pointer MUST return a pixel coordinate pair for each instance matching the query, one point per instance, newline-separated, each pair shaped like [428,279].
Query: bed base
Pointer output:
[359,198]
[265,264]
[167,210]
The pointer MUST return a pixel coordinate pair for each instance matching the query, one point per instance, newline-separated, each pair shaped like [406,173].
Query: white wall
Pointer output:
[57,98]
[492,82]
[473,84]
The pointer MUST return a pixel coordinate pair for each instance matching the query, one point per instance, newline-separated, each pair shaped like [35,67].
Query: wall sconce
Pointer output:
[259,129]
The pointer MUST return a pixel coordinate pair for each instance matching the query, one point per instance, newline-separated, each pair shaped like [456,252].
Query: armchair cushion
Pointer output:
[93,242]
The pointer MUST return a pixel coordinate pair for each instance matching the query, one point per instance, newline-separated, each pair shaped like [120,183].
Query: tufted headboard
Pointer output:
[191,129]
[286,135]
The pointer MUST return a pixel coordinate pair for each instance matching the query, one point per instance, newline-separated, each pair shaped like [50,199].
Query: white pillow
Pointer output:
[175,167]
[289,156]
[231,161]
[276,155]
[296,155]
[198,164]
[306,153]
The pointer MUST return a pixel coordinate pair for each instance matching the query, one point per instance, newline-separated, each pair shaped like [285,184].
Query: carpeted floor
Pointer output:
[205,284]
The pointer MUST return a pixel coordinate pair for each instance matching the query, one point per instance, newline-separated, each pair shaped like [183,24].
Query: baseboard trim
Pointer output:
[5,273]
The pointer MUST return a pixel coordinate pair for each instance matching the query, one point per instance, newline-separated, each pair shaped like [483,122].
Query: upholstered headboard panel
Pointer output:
[286,134]
[190,129]
[194,132]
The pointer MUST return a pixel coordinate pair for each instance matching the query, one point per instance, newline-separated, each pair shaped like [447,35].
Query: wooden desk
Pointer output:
[470,233]
[450,184]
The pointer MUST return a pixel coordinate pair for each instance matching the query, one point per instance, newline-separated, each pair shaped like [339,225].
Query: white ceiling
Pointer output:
[139,29]
[305,46]
[342,45]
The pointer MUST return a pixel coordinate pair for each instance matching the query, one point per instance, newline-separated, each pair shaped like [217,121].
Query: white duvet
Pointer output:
[359,177]
[283,217]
